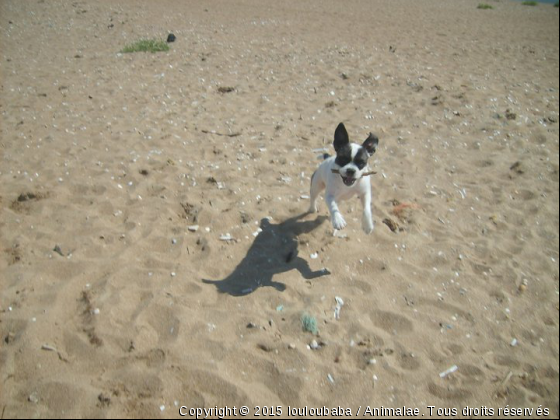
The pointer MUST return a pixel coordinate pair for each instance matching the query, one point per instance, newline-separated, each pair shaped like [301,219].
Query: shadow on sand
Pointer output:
[274,251]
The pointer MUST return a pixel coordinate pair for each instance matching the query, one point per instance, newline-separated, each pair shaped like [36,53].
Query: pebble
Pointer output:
[314,345]
[58,250]
[291,346]
[193,228]
[33,398]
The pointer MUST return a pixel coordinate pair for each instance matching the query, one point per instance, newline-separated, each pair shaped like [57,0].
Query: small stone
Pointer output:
[314,345]
[58,250]
[291,346]
[518,168]
[33,398]
[171,38]
[104,400]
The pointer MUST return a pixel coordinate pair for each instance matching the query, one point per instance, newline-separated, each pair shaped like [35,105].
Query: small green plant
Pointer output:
[530,3]
[146,45]
[309,324]
[485,6]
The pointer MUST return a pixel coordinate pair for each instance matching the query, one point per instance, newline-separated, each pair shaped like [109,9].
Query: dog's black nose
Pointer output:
[350,172]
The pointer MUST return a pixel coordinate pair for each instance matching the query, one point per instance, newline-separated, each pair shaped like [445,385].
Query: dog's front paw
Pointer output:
[367,224]
[338,221]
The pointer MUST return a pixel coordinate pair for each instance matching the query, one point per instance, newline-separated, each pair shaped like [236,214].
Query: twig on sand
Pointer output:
[506,379]
[336,171]
[221,134]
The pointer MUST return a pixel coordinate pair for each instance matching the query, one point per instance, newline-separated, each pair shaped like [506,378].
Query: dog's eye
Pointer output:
[342,161]
[360,164]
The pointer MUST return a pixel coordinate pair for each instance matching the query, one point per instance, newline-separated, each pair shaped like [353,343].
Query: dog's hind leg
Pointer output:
[317,186]
[367,220]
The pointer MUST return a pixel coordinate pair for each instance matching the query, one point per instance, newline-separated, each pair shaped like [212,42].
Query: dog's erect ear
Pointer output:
[340,137]
[371,144]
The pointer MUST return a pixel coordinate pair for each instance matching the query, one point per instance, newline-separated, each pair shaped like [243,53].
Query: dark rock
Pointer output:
[392,225]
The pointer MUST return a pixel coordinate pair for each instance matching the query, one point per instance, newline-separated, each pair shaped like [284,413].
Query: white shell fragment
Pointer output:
[339,304]
[452,369]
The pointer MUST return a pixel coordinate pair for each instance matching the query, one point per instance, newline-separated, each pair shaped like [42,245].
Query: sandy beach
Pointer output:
[155,251]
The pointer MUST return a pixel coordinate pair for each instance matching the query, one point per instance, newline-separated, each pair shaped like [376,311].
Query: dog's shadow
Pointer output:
[274,251]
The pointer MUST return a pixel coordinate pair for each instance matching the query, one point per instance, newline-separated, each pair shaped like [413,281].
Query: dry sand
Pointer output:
[111,158]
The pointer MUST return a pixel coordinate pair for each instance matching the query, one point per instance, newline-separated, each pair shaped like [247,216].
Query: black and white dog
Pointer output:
[347,180]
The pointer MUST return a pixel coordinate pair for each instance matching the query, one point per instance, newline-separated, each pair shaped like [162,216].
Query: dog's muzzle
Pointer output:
[348,180]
